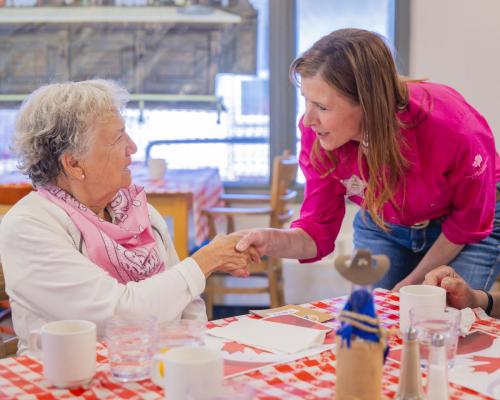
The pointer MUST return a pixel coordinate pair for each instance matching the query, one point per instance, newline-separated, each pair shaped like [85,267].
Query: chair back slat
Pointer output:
[277,207]
[284,175]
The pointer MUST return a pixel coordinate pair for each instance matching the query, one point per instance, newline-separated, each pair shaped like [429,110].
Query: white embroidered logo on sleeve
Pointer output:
[477,161]
[479,166]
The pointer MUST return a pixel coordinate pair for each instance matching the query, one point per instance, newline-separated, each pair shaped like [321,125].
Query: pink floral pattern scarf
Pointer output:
[126,249]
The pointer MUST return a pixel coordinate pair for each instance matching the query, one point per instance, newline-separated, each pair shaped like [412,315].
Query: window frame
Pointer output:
[282,51]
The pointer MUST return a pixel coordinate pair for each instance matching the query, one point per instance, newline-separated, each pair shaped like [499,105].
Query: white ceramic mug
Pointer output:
[189,372]
[68,351]
[157,168]
[411,296]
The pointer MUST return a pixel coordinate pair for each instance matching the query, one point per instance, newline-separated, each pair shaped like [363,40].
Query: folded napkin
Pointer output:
[271,336]
[467,318]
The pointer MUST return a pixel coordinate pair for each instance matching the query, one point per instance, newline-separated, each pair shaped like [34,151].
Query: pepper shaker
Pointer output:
[410,380]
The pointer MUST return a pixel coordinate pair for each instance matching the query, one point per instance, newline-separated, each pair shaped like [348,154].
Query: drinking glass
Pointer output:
[428,321]
[184,332]
[230,390]
[131,345]
[171,334]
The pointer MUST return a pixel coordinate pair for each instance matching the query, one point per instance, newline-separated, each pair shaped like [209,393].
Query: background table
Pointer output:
[181,195]
[311,378]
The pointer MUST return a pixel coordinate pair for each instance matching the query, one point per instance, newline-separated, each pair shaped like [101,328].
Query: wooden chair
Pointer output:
[8,346]
[276,206]
[11,193]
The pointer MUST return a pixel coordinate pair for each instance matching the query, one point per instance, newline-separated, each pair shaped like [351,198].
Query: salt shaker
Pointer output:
[410,380]
[437,371]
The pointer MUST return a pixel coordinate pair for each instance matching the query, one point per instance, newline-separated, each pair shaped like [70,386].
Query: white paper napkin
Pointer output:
[271,336]
[467,318]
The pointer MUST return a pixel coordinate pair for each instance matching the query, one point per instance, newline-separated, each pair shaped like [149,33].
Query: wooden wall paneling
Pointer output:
[32,55]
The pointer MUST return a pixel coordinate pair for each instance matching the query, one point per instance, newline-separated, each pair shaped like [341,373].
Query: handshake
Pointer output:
[232,253]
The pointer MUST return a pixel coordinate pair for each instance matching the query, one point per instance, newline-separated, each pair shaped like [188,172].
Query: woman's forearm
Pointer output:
[291,243]
[441,253]
[282,243]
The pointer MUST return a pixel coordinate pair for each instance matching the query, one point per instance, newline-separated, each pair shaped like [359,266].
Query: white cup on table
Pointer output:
[68,351]
[157,168]
[432,297]
[189,372]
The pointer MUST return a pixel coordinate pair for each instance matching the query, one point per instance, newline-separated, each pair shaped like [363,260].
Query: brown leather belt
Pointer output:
[421,225]
[424,224]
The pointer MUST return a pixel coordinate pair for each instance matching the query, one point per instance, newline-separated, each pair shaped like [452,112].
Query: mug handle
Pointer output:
[34,341]
[158,370]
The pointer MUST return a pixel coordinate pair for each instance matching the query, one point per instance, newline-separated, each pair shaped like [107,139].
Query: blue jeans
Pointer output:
[477,263]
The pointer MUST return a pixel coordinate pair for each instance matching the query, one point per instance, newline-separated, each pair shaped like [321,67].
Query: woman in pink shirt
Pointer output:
[414,155]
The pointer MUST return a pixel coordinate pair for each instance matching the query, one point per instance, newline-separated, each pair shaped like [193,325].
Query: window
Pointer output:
[237,141]
[154,58]
[198,74]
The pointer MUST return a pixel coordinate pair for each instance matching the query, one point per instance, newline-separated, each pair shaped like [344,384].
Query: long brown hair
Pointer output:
[359,64]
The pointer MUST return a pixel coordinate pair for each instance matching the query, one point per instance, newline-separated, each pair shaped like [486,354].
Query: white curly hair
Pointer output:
[56,119]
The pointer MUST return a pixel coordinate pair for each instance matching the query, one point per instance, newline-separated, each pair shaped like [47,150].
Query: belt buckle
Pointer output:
[421,225]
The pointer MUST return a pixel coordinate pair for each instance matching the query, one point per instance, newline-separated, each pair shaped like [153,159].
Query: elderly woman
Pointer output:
[86,244]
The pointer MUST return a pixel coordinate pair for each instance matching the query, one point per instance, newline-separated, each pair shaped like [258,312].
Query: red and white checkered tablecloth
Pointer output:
[204,184]
[311,378]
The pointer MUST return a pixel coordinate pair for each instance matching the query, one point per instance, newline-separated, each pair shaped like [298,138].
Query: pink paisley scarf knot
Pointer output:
[125,248]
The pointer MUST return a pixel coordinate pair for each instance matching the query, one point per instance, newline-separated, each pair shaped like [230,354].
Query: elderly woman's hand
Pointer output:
[220,255]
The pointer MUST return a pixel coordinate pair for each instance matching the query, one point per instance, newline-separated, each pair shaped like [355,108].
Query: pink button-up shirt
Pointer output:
[453,167]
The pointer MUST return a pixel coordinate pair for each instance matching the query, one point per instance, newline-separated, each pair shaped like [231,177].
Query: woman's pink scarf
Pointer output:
[126,249]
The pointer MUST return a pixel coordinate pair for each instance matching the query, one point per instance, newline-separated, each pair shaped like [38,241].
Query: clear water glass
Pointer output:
[230,390]
[184,332]
[428,322]
[131,346]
